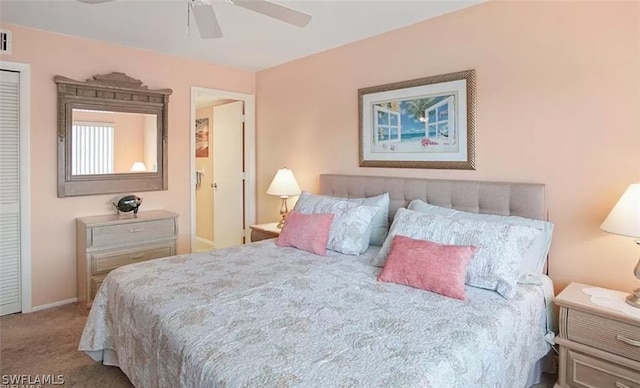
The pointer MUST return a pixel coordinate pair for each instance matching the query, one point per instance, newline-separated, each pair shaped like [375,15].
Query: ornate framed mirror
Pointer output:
[112,135]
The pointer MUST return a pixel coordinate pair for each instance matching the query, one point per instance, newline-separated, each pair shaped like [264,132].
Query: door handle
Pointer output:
[215,186]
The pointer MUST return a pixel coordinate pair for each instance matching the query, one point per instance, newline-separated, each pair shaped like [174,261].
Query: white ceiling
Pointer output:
[251,41]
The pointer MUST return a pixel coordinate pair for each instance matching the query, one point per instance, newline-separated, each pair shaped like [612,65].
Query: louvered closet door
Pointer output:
[9,192]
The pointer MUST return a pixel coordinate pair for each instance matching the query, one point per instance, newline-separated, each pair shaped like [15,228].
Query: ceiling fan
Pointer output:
[207,22]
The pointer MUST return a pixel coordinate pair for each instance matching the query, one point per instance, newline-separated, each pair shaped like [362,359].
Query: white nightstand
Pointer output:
[264,231]
[599,346]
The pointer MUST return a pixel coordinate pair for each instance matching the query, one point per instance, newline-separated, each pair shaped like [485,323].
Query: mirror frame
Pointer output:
[115,92]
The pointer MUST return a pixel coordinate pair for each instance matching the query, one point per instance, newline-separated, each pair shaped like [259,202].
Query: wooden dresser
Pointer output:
[104,243]
[599,346]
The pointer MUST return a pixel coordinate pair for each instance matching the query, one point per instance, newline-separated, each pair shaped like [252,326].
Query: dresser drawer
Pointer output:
[96,282]
[605,334]
[589,372]
[107,261]
[131,233]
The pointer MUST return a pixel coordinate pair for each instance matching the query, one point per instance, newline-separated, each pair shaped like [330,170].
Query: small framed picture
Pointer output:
[202,138]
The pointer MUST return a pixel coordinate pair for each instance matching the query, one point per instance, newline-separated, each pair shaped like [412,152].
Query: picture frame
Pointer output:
[202,138]
[422,123]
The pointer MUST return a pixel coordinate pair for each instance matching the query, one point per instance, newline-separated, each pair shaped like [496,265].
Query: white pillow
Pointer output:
[496,263]
[351,227]
[533,259]
[380,222]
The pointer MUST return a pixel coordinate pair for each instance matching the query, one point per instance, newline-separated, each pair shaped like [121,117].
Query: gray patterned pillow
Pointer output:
[351,227]
[496,263]
[380,222]
[533,260]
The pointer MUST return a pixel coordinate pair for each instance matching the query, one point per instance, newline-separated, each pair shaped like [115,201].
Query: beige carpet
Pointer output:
[46,343]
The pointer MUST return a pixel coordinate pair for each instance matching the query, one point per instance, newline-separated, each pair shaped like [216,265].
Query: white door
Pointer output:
[9,192]
[228,180]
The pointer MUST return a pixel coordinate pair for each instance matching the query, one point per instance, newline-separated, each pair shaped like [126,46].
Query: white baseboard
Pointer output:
[204,240]
[54,304]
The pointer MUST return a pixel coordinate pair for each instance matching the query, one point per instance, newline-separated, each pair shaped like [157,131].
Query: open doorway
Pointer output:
[222,168]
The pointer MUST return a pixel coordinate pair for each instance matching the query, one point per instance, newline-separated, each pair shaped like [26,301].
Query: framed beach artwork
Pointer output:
[422,123]
[202,138]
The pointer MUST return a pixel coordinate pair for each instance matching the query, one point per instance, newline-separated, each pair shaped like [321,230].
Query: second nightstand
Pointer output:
[599,346]
[264,231]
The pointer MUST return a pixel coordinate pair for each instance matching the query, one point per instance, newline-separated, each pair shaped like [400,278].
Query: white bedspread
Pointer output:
[266,316]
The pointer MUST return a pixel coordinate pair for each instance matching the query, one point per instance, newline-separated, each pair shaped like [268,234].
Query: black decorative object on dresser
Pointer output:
[127,203]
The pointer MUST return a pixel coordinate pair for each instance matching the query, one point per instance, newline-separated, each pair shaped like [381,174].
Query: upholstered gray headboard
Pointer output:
[502,198]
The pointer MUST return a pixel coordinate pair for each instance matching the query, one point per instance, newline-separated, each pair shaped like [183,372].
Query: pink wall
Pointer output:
[53,218]
[558,97]
[558,103]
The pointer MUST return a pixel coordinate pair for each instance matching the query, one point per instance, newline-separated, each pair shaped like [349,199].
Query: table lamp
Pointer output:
[283,185]
[138,167]
[624,219]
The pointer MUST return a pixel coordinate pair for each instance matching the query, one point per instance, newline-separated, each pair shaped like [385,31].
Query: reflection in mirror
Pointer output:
[107,142]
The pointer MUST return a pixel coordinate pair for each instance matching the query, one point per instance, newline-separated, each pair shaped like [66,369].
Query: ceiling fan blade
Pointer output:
[206,20]
[275,11]
[94,1]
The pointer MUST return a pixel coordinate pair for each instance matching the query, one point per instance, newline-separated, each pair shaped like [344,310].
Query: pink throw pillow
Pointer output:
[309,232]
[428,266]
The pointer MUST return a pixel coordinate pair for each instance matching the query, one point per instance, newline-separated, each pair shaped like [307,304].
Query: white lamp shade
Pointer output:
[138,167]
[284,184]
[624,218]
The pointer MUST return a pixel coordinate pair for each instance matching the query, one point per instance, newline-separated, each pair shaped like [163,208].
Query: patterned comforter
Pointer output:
[266,316]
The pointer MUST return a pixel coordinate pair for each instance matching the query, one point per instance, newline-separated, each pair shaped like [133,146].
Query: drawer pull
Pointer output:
[628,341]
[133,257]
[136,230]
[620,385]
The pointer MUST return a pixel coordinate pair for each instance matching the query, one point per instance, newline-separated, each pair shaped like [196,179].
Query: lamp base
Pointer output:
[283,211]
[633,299]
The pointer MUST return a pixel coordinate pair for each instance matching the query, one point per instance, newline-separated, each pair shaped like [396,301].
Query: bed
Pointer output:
[263,315]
